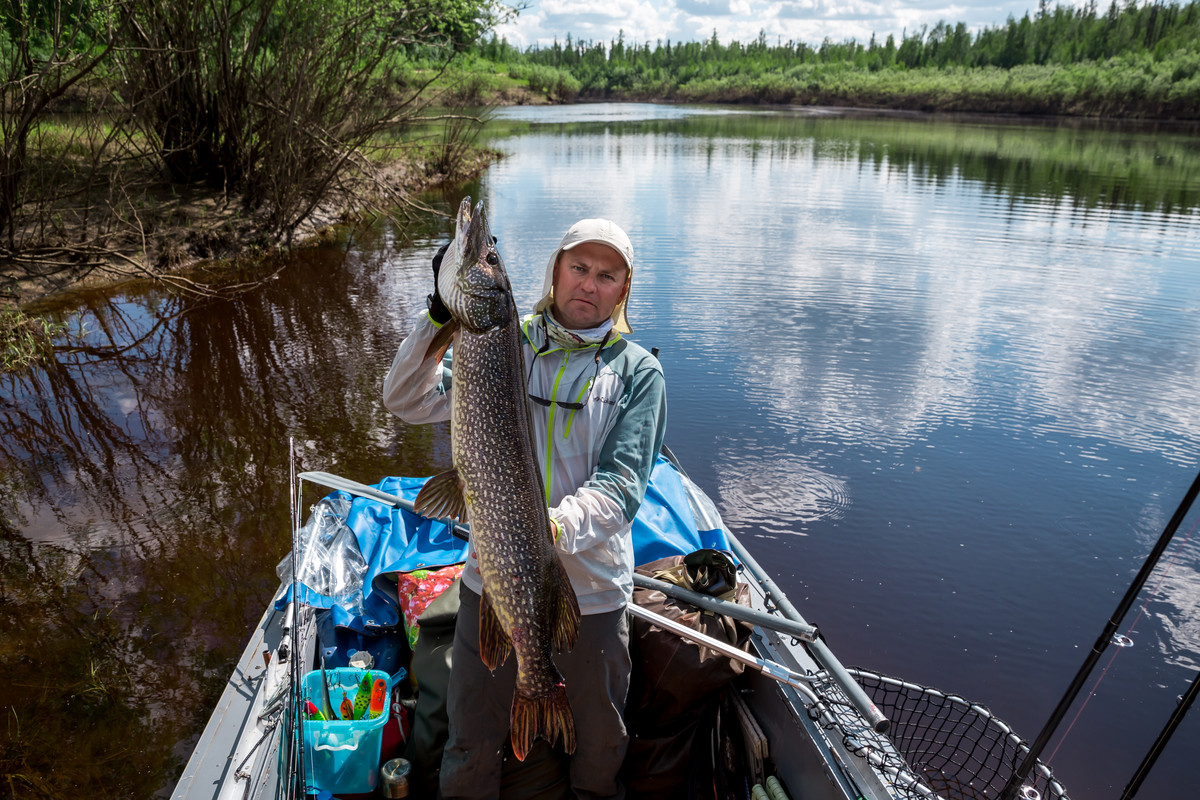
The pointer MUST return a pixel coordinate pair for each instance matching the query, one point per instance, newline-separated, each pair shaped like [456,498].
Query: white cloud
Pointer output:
[809,21]
[704,8]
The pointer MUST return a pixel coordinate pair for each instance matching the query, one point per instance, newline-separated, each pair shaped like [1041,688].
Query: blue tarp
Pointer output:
[664,525]
[392,540]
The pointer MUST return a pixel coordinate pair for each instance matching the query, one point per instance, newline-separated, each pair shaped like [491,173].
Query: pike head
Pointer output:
[472,280]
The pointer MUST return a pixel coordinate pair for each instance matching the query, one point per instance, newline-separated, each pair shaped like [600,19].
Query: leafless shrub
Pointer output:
[273,99]
[44,53]
[195,130]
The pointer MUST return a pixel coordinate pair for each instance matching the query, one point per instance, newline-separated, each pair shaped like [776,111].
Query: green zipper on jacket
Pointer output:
[550,423]
[554,406]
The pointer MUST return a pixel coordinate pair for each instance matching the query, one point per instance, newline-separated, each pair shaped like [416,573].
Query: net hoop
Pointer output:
[940,746]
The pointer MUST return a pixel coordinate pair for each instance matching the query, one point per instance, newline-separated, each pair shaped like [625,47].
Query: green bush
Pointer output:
[556,84]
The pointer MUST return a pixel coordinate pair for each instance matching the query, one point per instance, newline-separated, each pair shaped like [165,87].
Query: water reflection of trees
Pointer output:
[1150,167]
[146,505]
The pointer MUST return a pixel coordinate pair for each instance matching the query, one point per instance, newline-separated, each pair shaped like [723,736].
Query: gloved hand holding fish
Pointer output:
[527,604]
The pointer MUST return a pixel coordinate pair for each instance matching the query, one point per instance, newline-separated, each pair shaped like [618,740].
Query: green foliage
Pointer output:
[454,23]
[270,102]
[556,84]
[25,340]
[1133,60]
[46,49]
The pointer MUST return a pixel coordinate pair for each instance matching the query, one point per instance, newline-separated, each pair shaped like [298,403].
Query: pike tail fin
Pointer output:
[548,716]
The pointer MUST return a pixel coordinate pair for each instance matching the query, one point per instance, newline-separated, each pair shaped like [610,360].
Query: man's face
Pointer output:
[589,280]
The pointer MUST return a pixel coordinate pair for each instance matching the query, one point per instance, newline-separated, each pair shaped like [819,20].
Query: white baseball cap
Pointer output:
[603,231]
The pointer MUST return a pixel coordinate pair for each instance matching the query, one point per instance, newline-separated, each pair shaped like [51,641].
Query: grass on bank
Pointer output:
[25,340]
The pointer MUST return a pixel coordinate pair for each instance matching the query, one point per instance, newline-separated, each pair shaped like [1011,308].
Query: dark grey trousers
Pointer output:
[479,703]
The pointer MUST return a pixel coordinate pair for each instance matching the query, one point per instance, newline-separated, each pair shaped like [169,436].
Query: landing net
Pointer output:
[938,746]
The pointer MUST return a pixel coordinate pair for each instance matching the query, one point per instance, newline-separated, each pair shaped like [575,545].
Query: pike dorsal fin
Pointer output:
[441,497]
[441,341]
[494,644]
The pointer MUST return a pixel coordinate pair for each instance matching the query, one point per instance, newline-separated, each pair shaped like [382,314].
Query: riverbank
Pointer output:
[1126,88]
[1131,62]
[183,235]
[198,239]
[194,240]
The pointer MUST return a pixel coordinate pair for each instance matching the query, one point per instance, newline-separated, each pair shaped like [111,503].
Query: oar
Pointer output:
[802,631]
[817,649]
[771,669]
[331,481]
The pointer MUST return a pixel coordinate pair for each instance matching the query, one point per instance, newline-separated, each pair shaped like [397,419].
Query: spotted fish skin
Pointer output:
[527,605]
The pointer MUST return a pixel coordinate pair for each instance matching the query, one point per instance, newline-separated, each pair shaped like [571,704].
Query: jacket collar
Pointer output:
[534,329]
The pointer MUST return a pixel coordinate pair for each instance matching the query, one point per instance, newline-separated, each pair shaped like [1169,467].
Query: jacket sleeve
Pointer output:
[415,391]
[607,503]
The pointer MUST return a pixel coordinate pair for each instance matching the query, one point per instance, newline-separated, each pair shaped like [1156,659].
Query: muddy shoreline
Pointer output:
[199,241]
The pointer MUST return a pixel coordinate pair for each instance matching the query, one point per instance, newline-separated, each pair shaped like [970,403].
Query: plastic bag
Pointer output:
[330,562]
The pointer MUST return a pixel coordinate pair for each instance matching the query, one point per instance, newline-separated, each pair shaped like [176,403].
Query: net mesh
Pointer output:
[938,745]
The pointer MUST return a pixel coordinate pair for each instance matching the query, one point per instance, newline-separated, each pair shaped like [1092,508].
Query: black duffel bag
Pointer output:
[675,686]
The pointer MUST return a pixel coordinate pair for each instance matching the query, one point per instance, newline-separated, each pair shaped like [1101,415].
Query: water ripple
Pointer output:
[780,495]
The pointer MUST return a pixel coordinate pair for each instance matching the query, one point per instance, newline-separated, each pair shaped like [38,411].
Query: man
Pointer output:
[598,411]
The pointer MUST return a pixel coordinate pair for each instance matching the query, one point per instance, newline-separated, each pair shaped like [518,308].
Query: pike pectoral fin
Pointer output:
[494,644]
[548,716]
[441,341]
[441,497]
[564,621]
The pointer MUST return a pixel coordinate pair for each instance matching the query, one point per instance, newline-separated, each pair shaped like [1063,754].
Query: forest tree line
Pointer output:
[1128,60]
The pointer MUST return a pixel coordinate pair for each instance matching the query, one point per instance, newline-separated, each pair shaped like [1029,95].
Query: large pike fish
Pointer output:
[528,603]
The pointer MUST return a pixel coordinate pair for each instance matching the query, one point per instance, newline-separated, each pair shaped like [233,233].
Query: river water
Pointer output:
[940,375]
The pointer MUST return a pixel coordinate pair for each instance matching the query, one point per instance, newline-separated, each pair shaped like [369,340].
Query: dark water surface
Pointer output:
[941,376]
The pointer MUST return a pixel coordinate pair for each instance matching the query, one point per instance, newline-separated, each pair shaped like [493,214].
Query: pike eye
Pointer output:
[492,258]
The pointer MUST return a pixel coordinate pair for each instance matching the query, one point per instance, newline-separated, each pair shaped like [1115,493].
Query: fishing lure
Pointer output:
[313,712]
[378,698]
[363,697]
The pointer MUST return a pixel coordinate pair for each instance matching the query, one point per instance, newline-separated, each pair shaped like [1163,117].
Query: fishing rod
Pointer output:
[292,728]
[1022,772]
[771,669]
[1177,716]
[818,649]
[779,673]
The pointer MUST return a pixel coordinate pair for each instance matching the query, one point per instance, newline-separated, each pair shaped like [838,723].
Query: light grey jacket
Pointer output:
[595,461]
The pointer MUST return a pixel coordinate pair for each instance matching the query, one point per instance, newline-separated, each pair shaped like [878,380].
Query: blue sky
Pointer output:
[810,21]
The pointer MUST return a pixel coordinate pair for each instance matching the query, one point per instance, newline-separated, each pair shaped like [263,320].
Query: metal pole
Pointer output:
[1176,717]
[802,631]
[292,727]
[1018,777]
[772,670]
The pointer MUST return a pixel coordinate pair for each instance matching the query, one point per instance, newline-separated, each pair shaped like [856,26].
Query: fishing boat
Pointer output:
[791,721]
